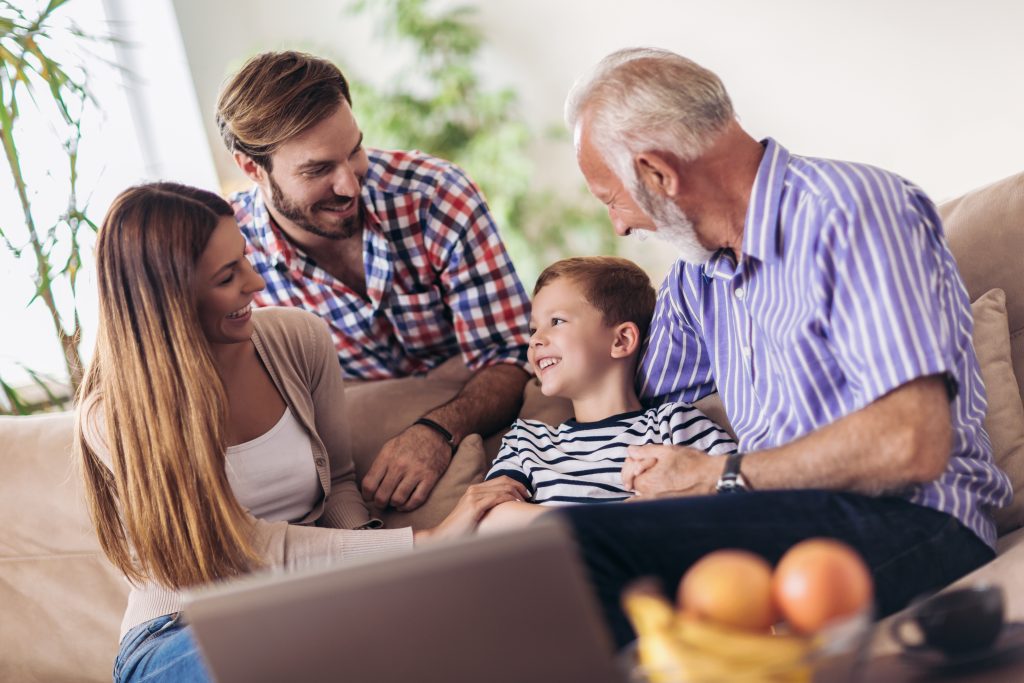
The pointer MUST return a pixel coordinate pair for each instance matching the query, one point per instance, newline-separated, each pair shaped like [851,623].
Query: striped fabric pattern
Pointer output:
[846,290]
[438,277]
[581,462]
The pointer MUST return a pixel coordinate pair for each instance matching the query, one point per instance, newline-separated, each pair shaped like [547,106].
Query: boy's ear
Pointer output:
[250,168]
[627,340]
[657,172]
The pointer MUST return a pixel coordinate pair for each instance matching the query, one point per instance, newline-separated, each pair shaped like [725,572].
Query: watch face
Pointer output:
[730,484]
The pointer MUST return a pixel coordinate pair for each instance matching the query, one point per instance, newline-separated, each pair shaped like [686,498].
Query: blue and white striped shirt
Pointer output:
[845,290]
[581,462]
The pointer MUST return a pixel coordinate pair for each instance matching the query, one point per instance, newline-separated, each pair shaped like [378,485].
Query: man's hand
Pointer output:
[405,471]
[677,470]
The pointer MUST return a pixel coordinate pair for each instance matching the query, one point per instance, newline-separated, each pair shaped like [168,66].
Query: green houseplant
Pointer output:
[440,105]
[33,81]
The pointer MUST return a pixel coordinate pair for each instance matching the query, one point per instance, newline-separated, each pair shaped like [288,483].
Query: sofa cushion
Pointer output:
[467,467]
[1004,421]
[62,601]
[985,229]
[381,409]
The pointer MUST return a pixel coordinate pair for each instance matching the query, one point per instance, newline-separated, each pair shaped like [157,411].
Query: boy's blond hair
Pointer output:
[617,287]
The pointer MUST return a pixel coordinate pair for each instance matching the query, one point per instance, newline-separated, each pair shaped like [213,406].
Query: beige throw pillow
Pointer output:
[380,410]
[1004,421]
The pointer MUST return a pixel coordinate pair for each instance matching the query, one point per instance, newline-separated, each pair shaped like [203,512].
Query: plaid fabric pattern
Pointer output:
[438,278]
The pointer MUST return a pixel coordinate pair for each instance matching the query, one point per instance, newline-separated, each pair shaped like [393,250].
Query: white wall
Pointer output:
[927,88]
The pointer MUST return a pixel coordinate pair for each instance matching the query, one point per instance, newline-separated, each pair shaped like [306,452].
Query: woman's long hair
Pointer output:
[163,510]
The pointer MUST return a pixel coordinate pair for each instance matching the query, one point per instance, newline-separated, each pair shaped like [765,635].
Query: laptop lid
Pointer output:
[512,607]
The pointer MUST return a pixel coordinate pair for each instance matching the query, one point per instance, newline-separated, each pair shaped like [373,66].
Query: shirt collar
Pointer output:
[376,247]
[275,245]
[720,266]
[761,226]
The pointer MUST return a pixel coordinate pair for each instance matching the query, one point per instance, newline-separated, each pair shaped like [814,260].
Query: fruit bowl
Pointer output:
[719,630]
[698,652]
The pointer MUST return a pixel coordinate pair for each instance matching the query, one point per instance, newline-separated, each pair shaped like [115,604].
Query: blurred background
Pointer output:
[101,94]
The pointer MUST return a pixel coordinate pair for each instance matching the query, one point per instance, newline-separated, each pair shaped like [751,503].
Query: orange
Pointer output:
[730,588]
[821,580]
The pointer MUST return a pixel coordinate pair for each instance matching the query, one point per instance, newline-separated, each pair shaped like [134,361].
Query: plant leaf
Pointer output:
[14,404]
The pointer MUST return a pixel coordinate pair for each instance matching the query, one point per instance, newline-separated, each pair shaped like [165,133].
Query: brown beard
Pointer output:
[303,217]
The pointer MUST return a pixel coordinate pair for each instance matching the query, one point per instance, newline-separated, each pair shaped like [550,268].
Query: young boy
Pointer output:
[590,316]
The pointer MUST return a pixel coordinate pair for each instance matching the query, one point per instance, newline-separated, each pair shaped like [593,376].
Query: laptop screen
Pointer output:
[511,607]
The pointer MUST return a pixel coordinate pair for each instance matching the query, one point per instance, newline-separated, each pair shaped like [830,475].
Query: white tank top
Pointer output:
[273,476]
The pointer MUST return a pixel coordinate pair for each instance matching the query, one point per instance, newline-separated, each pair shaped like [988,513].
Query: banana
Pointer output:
[674,647]
[737,646]
[653,618]
[647,609]
[662,659]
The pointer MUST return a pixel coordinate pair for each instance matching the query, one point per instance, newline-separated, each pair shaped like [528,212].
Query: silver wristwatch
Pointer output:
[732,480]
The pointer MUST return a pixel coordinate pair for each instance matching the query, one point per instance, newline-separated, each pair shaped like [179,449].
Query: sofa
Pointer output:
[61,601]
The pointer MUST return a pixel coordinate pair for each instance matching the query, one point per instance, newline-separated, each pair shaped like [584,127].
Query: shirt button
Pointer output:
[740,293]
[746,352]
[321,462]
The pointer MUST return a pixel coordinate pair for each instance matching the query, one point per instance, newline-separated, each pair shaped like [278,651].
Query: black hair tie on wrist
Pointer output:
[427,422]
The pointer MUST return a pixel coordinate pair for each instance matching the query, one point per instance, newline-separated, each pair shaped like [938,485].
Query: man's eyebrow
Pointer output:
[359,143]
[313,162]
[323,162]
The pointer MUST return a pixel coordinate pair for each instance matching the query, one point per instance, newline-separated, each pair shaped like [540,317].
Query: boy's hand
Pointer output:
[632,468]
[476,502]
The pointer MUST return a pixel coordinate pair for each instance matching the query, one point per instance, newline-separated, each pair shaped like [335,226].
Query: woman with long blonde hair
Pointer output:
[211,435]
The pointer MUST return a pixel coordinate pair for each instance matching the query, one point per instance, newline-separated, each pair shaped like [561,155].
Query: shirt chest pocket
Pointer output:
[421,320]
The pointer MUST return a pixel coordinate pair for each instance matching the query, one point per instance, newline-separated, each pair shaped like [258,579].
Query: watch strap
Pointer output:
[732,479]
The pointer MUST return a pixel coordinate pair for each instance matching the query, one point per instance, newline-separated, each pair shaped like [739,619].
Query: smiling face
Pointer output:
[570,344]
[654,213]
[625,214]
[317,176]
[225,286]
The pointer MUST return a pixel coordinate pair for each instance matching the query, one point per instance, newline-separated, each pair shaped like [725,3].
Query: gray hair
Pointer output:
[641,99]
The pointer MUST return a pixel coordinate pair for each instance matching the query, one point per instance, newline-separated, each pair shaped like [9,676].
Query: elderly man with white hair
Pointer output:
[820,300]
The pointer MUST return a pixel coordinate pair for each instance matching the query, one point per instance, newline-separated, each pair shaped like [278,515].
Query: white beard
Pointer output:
[672,226]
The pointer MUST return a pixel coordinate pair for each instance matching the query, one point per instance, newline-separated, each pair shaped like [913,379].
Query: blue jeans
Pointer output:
[909,549]
[161,649]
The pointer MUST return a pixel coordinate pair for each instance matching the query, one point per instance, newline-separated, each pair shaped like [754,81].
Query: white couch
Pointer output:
[61,602]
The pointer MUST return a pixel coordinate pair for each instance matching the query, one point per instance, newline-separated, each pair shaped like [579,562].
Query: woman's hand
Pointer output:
[474,504]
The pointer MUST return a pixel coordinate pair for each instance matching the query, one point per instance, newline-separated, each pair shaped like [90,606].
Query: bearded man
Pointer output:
[396,251]
[820,300]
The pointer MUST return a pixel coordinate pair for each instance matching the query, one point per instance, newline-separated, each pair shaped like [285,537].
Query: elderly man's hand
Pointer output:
[405,471]
[657,470]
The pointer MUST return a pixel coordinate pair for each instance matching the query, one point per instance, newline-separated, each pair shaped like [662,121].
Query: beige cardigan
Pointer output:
[297,350]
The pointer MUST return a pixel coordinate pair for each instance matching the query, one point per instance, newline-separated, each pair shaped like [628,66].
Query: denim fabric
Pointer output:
[161,649]
[909,549]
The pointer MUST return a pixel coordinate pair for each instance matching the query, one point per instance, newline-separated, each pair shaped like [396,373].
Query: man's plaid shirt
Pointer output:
[438,277]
